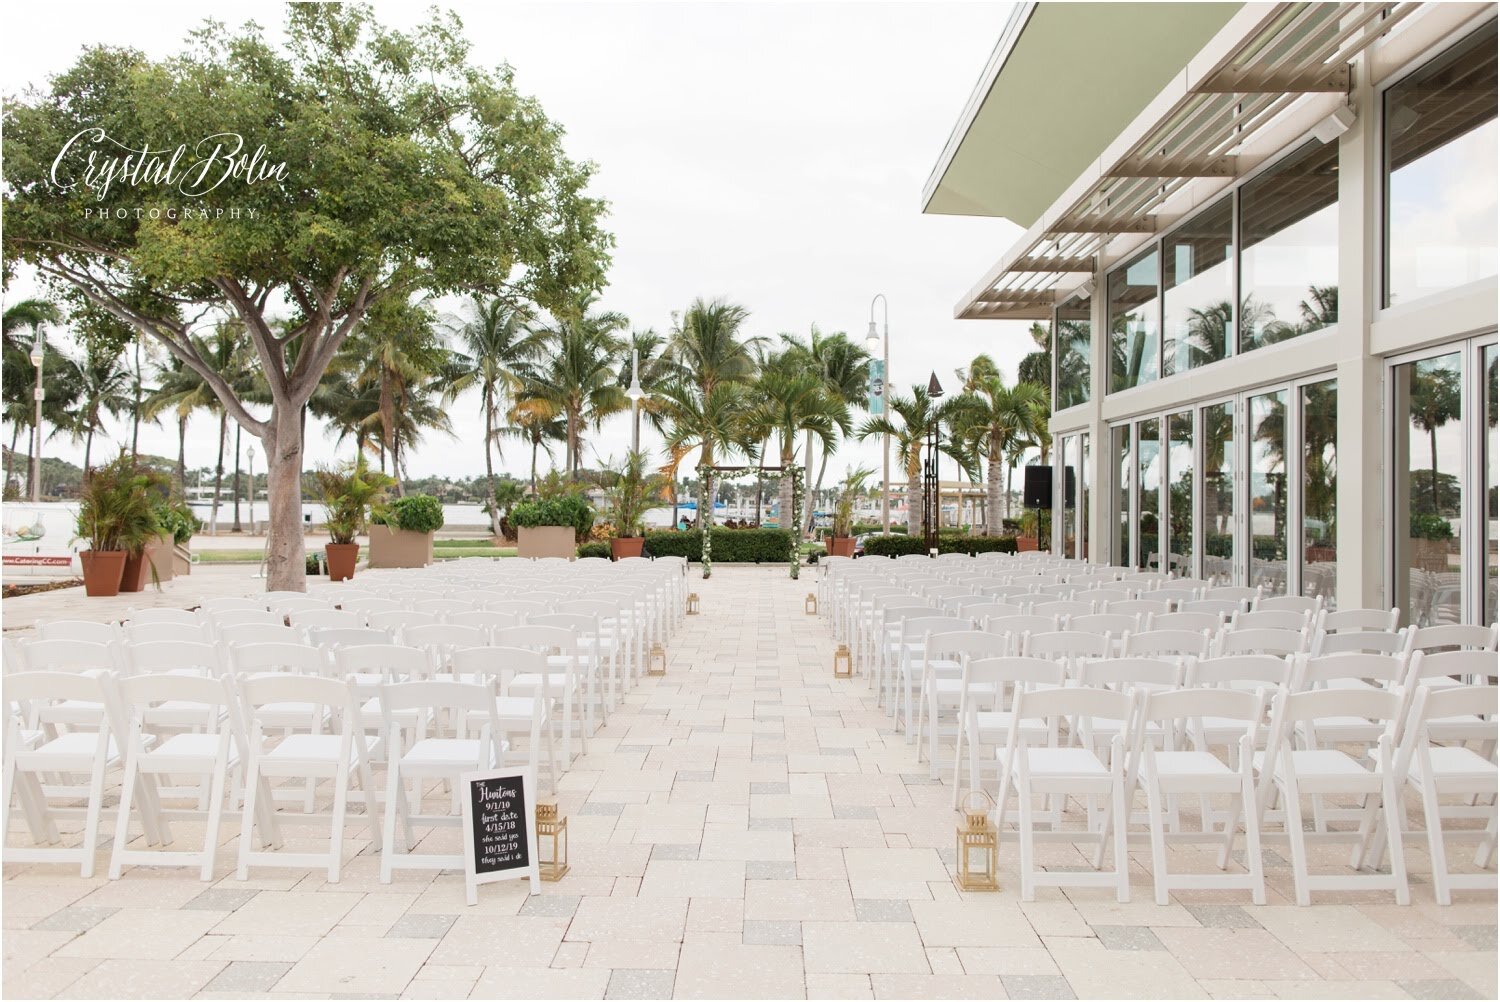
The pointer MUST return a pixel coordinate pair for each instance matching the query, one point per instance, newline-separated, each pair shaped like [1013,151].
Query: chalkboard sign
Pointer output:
[499,822]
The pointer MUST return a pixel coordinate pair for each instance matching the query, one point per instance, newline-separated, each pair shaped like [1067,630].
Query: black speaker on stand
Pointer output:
[1038,495]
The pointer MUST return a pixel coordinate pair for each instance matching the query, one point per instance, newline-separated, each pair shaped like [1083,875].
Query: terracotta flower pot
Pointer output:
[341,560]
[841,546]
[102,570]
[1025,544]
[621,547]
[137,572]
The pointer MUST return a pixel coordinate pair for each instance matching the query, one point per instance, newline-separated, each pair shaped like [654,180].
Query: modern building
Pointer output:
[1264,236]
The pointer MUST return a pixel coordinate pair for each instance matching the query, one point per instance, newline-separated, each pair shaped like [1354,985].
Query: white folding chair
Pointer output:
[1310,606]
[528,716]
[1031,771]
[346,636]
[1272,619]
[231,604]
[908,648]
[1176,770]
[258,633]
[147,617]
[432,757]
[308,620]
[1260,641]
[160,633]
[559,683]
[77,752]
[78,629]
[1194,622]
[306,753]
[155,748]
[987,691]
[1324,771]
[943,657]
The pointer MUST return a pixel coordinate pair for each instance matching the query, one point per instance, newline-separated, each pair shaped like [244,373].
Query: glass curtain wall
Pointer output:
[1121,436]
[1441,162]
[1148,500]
[1069,452]
[1197,275]
[1491,518]
[1320,419]
[1218,492]
[1180,520]
[1134,337]
[1289,261]
[1428,457]
[1084,494]
[1073,352]
[1268,492]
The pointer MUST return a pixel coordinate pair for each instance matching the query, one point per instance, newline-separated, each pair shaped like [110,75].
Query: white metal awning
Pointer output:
[1266,59]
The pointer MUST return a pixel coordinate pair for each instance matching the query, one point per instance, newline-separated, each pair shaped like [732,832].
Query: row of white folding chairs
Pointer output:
[1408,720]
[155,726]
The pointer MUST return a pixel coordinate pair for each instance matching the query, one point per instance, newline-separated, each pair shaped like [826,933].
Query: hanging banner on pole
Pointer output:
[876,402]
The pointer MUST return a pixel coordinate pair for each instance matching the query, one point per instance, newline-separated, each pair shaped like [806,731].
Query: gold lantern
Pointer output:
[978,846]
[658,663]
[810,606]
[843,662]
[551,842]
[692,603]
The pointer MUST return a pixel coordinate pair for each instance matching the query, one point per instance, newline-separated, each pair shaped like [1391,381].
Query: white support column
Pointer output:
[1100,478]
[1362,535]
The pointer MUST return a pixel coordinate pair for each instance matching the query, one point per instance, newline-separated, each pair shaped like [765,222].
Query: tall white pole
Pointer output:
[251,453]
[39,394]
[885,403]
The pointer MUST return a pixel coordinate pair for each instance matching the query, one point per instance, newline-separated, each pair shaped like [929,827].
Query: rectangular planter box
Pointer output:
[182,560]
[547,541]
[160,555]
[399,547]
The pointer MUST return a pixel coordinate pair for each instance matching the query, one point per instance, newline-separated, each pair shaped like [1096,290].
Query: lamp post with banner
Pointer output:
[880,379]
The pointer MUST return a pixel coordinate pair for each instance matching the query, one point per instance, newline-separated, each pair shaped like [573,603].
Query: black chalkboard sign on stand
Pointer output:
[499,808]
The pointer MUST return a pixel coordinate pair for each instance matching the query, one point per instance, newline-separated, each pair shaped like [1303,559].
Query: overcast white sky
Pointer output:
[770,153]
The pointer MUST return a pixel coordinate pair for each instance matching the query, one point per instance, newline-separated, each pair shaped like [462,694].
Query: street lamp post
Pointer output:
[635,393]
[874,342]
[250,452]
[38,353]
[932,492]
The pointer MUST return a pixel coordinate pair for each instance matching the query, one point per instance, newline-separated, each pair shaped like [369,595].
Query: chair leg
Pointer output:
[340,810]
[1253,861]
[394,795]
[91,825]
[1122,856]
[1028,847]
[122,815]
[1433,818]
[215,812]
[1298,838]
[1393,809]
[1158,841]
[247,819]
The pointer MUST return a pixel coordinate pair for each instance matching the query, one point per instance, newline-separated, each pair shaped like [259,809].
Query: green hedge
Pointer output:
[758,546]
[594,550]
[948,542]
[569,510]
[861,528]
[415,513]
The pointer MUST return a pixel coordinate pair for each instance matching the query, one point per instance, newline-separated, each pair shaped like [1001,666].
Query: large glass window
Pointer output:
[1429,447]
[1073,352]
[1121,436]
[1198,281]
[1069,453]
[1133,323]
[1440,133]
[1268,492]
[1148,503]
[1218,493]
[1180,493]
[1320,426]
[1491,478]
[1289,248]
[1083,500]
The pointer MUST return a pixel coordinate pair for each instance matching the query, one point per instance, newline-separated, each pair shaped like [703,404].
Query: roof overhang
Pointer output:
[1272,74]
[1063,80]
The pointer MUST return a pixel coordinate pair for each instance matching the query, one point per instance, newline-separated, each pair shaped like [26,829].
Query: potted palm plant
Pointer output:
[348,492]
[117,515]
[841,541]
[401,532]
[633,493]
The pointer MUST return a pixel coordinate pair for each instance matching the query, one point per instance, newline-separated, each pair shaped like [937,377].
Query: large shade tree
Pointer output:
[374,164]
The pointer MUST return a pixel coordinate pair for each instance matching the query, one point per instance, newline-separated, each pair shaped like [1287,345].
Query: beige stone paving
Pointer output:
[747,827]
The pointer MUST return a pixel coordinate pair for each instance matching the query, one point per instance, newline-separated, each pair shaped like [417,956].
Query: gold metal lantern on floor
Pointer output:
[657,665]
[551,842]
[977,843]
[843,662]
[692,603]
[810,606]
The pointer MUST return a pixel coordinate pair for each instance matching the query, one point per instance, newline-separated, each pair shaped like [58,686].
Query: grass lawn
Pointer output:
[443,549]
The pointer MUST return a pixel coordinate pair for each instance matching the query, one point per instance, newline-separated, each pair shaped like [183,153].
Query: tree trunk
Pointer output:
[534,443]
[286,551]
[992,496]
[236,488]
[213,517]
[396,462]
[10,458]
[784,489]
[489,461]
[913,502]
[1009,470]
[88,447]
[1432,437]
[182,455]
[135,431]
[817,488]
[570,460]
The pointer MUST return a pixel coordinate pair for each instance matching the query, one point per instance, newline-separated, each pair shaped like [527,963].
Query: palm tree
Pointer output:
[26,315]
[1436,399]
[494,347]
[104,387]
[792,396]
[689,419]
[578,380]
[705,353]
[1036,366]
[1002,422]
[533,421]
[844,367]
[917,415]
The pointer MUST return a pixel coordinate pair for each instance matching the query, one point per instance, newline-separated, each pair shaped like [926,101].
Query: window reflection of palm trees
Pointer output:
[1208,327]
